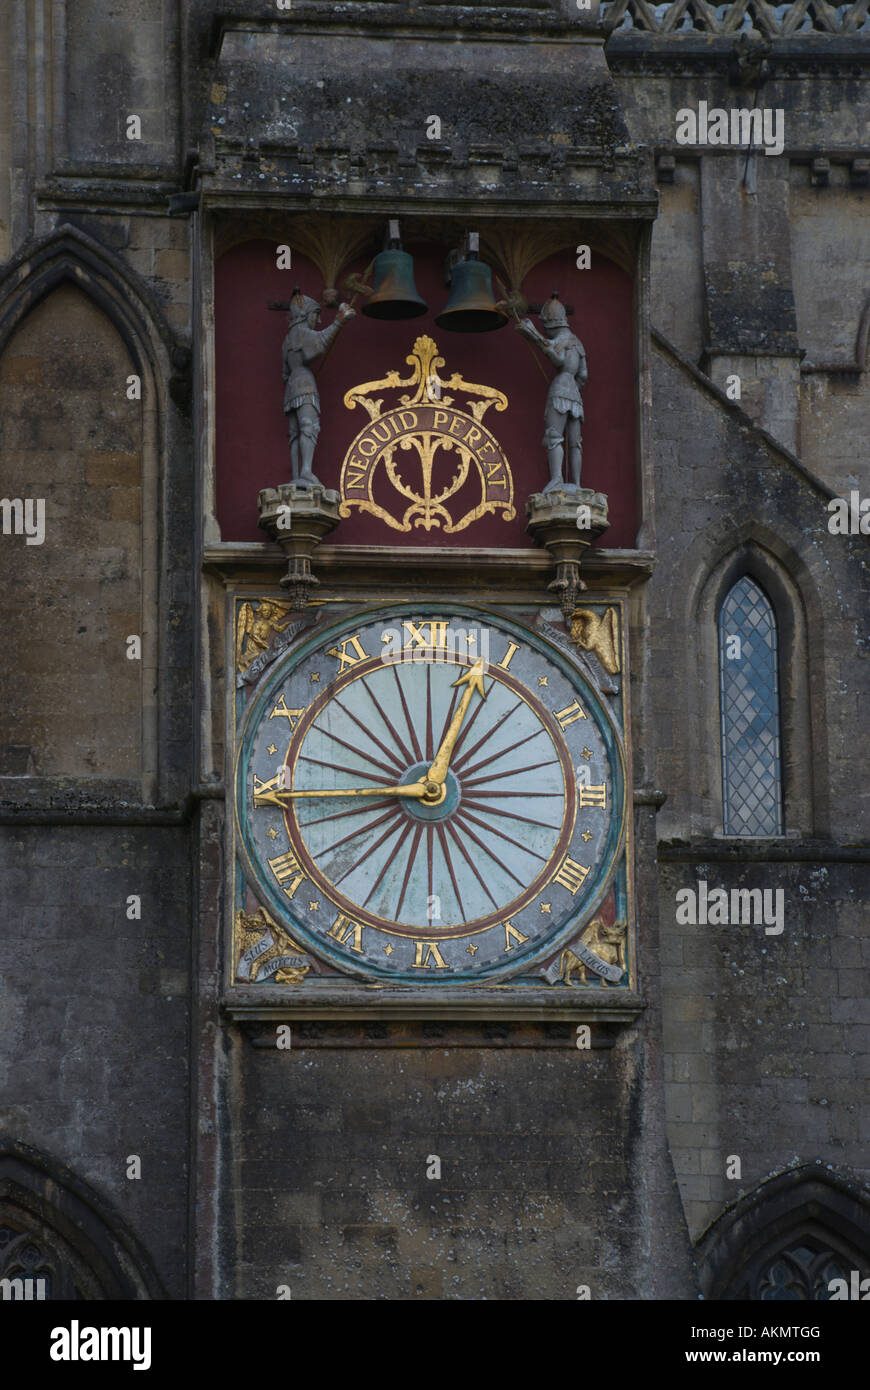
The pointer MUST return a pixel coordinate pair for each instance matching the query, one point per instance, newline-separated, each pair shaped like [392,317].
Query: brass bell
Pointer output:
[471,307]
[394,295]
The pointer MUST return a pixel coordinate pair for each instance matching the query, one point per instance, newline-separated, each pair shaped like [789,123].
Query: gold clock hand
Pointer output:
[474,681]
[278,798]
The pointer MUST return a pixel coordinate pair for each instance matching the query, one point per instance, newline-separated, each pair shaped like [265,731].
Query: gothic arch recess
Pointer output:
[788,1238]
[54,1226]
[69,255]
[783,579]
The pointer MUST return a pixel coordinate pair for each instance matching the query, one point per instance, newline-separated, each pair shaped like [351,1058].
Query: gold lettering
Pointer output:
[265,793]
[592,796]
[473,435]
[357,480]
[456,421]
[441,418]
[512,937]
[417,637]
[411,416]
[292,715]
[343,928]
[432,953]
[346,658]
[286,866]
[571,875]
[367,453]
[491,469]
[508,656]
[569,714]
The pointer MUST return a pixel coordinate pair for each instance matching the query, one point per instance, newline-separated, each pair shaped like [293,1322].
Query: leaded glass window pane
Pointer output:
[749,702]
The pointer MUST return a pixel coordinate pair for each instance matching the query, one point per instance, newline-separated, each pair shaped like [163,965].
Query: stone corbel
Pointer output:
[297,518]
[566,520]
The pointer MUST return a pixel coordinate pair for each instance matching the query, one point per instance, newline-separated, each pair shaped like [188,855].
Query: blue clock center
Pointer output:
[421,810]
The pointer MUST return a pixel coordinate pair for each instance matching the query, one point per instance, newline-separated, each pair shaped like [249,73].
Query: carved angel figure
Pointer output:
[256,627]
[598,633]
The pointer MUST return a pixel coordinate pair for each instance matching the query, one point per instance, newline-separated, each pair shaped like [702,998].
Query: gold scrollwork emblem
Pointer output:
[265,951]
[601,948]
[424,425]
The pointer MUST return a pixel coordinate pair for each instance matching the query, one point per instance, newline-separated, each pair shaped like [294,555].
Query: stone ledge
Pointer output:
[754,850]
[619,568]
[460,1003]
[422,1035]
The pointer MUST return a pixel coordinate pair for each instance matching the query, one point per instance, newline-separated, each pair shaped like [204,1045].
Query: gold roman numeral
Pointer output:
[417,637]
[346,658]
[265,792]
[292,715]
[512,937]
[508,656]
[432,953]
[286,866]
[593,795]
[569,714]
[343,929]
[571,875]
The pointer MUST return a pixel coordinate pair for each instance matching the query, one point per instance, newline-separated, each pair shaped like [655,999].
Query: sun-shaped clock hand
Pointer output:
[473,680]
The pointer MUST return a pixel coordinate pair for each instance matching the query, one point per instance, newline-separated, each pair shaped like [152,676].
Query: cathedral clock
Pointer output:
[428,794]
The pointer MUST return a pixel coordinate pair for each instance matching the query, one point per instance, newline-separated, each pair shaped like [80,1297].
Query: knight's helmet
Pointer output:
[301,307]
[553,312]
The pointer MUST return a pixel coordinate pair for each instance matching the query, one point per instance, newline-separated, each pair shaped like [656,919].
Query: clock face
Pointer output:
[430,795]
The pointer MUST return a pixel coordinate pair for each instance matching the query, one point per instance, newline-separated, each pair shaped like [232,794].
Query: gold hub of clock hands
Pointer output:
[430,791]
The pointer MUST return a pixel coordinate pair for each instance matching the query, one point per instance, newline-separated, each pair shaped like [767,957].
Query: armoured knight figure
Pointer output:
[564,413]
[303,344]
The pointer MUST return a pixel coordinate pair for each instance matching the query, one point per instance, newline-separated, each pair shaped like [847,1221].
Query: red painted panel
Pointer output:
[252,450]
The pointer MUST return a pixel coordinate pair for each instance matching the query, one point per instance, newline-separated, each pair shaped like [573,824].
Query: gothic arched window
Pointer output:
[749,703]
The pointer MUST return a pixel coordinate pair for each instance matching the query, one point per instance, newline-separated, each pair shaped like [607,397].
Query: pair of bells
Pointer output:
[471,307]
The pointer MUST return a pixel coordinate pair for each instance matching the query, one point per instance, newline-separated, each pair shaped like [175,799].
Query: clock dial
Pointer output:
[430,797]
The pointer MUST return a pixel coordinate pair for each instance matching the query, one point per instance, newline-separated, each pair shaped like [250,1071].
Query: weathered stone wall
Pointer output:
[94,1010]
[70,700]
[767,1036]
[545,1184]
[96,760]
[783,257]
[122,63]
[767,1045]
[720,485]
